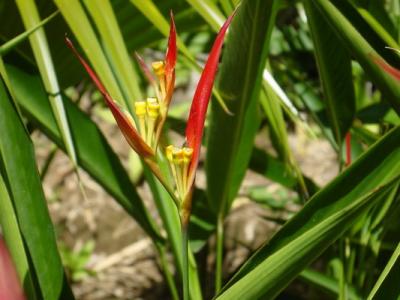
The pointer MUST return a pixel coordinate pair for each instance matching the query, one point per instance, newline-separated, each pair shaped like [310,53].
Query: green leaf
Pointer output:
[334,65]
[80,25]
[230,138]
[136,30]
[153,14]
[112,40]
[325,283]
[12,236]
[374,30]
[21,176]
[209,11]
[269,277]
[361,49]
[321,221]
[11,44]
[386,286]
[276,122]
[41,51]
[94,153]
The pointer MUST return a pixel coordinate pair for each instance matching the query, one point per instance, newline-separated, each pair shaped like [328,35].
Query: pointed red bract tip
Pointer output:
[10,286]
[386,67]
[348,149]
[126,126]
[170,55]
[201,98]
[145,69]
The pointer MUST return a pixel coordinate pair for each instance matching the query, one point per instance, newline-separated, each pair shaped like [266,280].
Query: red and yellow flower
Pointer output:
[144,136]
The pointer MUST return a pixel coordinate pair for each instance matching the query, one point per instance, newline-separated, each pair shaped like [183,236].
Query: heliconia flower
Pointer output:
[124,121]
[165,72]
[387,68]
[184,160]
[10,286]
[151,114]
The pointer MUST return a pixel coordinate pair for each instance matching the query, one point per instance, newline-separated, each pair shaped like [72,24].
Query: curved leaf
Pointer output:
[17,162]
[334,65]
[231,137]
[376,167]
[274,273]
[361,49]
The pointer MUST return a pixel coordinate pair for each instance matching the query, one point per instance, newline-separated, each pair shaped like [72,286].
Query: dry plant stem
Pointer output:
[219,253]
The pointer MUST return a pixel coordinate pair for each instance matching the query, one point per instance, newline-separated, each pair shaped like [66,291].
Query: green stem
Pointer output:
[167,271]
[342,280]
[385,272]
[219,253]
[342,245]
[185,271]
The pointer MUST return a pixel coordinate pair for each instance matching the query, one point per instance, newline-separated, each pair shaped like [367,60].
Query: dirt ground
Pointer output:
[122,263]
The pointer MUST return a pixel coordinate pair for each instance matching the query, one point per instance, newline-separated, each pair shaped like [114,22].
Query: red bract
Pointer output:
[201,98]
[389,69]
[123,121]
[348,149]
[170,59]
[10,287]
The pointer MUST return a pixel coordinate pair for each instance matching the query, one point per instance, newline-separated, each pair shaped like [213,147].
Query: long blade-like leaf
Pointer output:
[41,51]
[334,65]
[269,277]
[383,285]
[361,50]
[231,137]
[17,162]
[376,167]
[80,25]
[106,23]
[210,12]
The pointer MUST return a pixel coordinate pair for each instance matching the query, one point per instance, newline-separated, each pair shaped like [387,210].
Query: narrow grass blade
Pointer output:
[389,271]
[325,283]
[153,14]
[115,49]
[41,51]
[80,25]
[11,44]
[209,11]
